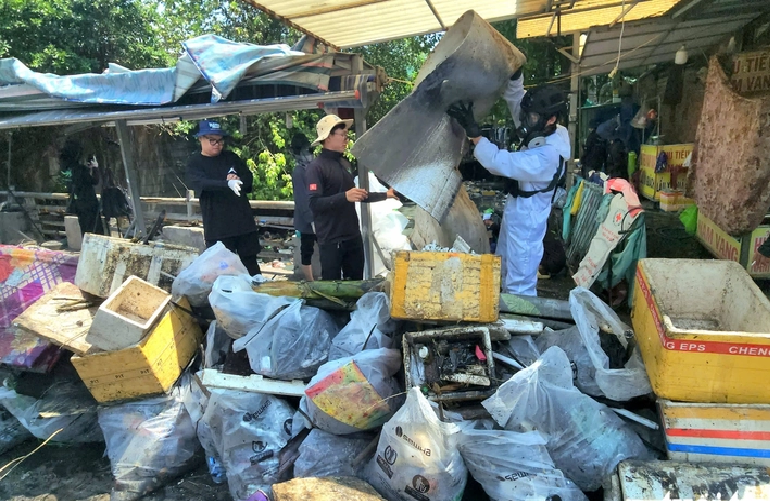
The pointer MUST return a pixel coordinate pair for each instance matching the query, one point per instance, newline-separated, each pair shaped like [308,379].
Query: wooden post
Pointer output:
[574,96]
[359,114]
[132,178]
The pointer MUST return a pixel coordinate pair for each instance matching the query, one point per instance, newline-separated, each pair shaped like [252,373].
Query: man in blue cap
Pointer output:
[221,181]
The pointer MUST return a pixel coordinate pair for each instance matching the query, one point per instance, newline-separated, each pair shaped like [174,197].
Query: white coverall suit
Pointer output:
[525,219]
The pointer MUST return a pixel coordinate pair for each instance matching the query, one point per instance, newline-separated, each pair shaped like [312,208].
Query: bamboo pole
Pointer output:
[328,295]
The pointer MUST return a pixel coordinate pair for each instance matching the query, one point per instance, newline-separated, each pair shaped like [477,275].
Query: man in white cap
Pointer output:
[221,180]
[333,195]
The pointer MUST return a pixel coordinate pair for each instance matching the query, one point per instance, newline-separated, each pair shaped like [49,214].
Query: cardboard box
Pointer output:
[717,433]
[738,249]
[445,286]
[653,183]
[148,368]
[703,329]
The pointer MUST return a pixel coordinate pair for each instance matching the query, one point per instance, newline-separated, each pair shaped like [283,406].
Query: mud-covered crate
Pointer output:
[445,286]
[703,327]
[717,433]
[148,368]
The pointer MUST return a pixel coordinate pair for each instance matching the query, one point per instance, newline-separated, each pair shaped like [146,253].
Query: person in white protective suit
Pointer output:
[533,172]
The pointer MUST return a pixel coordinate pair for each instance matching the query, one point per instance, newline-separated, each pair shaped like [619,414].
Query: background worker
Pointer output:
[303,216]
[333,195]
[534,172]
[83,201]
[221,181]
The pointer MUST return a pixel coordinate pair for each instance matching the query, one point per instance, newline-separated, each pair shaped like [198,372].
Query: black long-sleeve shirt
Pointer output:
[328,177]
[303,216]
[224,214]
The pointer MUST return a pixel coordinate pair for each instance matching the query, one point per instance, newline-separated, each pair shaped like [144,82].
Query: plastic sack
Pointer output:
[325,455]
[511,465]
[590,314]
[689,218]
[291,345]
[353,394]
[370,323]
[523,349]
[217,346]
[196,280]
[585,438]
[417,456]
[238,309]
[246,431]
[149,443]
[75,421]
[569,340]
[12,432]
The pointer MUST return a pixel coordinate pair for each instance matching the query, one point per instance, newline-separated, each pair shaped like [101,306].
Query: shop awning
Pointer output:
[351,23]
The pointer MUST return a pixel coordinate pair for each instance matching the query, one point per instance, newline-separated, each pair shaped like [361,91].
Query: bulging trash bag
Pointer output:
[149,443]
[616,383]
[246,431]
[238,309]
[417,456]
[325,455]
[196,280]
[370,324]
[569,340]
[217,346]
[355,393]
[73,409]
[585,438]
[511,465]
[291,345]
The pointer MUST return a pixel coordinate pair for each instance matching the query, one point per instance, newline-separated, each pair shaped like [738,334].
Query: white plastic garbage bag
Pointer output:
[417,456]
[325,455]
[511,465]
[585,438]
[591,313]
[238,309]
[149,443]
[569,340]
[355,393]
[217,346]
[196,280]
[247,432]
[291,345]
[75,419]
[522,349]
[370,324]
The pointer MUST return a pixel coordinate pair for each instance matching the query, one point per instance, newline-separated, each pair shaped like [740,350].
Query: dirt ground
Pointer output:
[56,473]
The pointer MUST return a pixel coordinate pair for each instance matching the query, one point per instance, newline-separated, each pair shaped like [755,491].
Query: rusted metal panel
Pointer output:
[669,480]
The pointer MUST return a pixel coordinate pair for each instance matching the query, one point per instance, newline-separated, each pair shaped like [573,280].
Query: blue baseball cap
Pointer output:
[210,128]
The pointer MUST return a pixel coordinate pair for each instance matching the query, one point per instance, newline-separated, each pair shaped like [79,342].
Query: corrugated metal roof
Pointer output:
[649,42]
[350,23]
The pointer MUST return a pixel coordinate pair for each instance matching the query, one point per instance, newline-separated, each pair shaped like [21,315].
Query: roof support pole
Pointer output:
[574,95]
[127,151]
[359,115]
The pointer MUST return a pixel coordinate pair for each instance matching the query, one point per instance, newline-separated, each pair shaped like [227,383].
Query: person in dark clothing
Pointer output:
[83,201]
[221,181]
[333,194]
[594,154]
[303,216]
[762,256]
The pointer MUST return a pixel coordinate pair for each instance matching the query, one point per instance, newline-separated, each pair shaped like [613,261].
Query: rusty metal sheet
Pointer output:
[669,480]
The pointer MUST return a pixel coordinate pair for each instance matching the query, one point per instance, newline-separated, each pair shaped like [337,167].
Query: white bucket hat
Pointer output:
[325,126]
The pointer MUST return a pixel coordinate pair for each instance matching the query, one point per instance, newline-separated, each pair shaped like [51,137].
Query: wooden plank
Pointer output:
[254,383]
[62,328]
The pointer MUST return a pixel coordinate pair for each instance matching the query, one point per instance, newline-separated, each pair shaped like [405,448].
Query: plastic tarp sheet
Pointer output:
[221,62]
[416,147]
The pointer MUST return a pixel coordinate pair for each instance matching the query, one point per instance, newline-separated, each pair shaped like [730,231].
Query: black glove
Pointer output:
[463,113]
[516,75]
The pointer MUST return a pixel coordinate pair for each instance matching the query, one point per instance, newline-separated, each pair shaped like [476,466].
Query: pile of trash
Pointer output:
[266,388]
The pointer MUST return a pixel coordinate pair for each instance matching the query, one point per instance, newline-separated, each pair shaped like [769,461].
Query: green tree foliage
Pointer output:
[79,36]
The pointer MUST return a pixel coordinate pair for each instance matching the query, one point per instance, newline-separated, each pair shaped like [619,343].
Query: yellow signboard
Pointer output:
[751,72]
[717,240]
[758,237]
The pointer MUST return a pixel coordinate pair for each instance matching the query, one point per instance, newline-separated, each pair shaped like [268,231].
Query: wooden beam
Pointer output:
[132,178]
[254,383]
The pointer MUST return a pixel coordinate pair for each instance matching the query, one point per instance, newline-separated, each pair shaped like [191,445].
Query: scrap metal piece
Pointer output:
[416,147]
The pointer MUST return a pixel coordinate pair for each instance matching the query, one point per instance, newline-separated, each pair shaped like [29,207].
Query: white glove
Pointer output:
[235,185]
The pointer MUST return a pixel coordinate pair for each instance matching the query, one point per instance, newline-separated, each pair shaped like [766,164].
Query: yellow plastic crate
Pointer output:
[150,367]
[703,328]
[445,286]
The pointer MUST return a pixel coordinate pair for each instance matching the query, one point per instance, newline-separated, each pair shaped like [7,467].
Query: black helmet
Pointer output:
[546,101]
